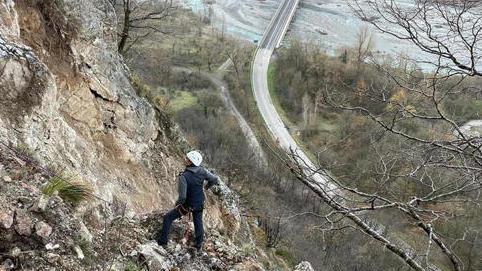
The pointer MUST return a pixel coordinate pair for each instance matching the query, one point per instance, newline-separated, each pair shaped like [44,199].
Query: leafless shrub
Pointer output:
[428,169]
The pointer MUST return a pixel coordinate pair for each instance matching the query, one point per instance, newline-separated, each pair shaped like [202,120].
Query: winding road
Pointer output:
[271,40]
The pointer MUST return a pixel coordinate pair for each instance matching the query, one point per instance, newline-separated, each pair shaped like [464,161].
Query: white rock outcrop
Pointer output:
[73,105]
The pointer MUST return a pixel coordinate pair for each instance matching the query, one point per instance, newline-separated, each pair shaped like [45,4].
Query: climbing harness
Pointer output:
[183,210]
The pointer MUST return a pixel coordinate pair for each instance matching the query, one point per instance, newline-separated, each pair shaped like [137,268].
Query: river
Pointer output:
[330,24]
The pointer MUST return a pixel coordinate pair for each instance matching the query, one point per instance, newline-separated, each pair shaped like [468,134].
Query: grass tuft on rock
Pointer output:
[70,191]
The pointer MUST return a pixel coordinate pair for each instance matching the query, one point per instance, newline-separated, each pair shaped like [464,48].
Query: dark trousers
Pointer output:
[173,215]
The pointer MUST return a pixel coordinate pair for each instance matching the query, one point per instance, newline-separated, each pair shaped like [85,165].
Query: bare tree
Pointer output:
[364,45]
[449,30]
[236,59]
[352,209]
[439,162]
[139,19]
[273,227]
[240,59]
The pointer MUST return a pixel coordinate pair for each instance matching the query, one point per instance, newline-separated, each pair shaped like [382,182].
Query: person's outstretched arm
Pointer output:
[212,179]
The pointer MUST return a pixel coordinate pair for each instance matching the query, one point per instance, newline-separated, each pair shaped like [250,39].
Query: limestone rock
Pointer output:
[51,246]
[15,252]
[20,161]
[43,229]
[52,257]
[76,107]
[23,223]
[6,219]
[54,201]
[85,234]
[304,266]
[8,19]
[7,179]
[216,264]
[41,204]
[79,252]
[155,256]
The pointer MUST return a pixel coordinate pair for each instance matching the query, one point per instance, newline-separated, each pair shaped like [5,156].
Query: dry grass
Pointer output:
[73,192]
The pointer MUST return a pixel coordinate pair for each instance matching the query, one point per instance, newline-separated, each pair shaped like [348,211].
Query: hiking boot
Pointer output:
[164,245]
[196,250]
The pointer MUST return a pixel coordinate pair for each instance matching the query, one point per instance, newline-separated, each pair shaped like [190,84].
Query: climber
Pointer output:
[191,198]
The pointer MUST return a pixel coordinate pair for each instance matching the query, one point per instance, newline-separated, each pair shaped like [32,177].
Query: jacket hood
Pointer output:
[195,170]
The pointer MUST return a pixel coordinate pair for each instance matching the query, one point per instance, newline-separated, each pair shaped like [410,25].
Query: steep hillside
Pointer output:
[41,232]
[68,111]
[67,98]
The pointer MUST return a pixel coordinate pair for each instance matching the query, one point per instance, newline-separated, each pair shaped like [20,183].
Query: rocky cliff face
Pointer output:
[66,102]
[67,98]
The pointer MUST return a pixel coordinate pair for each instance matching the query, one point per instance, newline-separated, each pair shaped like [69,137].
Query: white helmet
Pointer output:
[195,157]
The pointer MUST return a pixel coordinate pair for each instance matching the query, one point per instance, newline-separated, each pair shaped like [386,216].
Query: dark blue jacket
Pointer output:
[191,186]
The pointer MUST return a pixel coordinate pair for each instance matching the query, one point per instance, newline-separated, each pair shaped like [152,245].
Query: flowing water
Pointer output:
[328,23]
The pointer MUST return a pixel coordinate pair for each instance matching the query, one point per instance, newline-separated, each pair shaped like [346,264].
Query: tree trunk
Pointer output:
[125,27]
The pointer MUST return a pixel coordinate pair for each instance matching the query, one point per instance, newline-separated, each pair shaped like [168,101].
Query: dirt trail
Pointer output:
[216,79]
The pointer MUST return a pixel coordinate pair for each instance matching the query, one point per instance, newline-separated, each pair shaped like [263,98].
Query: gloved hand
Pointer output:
[216,190]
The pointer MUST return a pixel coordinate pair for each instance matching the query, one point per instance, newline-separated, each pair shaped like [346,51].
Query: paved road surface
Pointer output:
[270,41]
